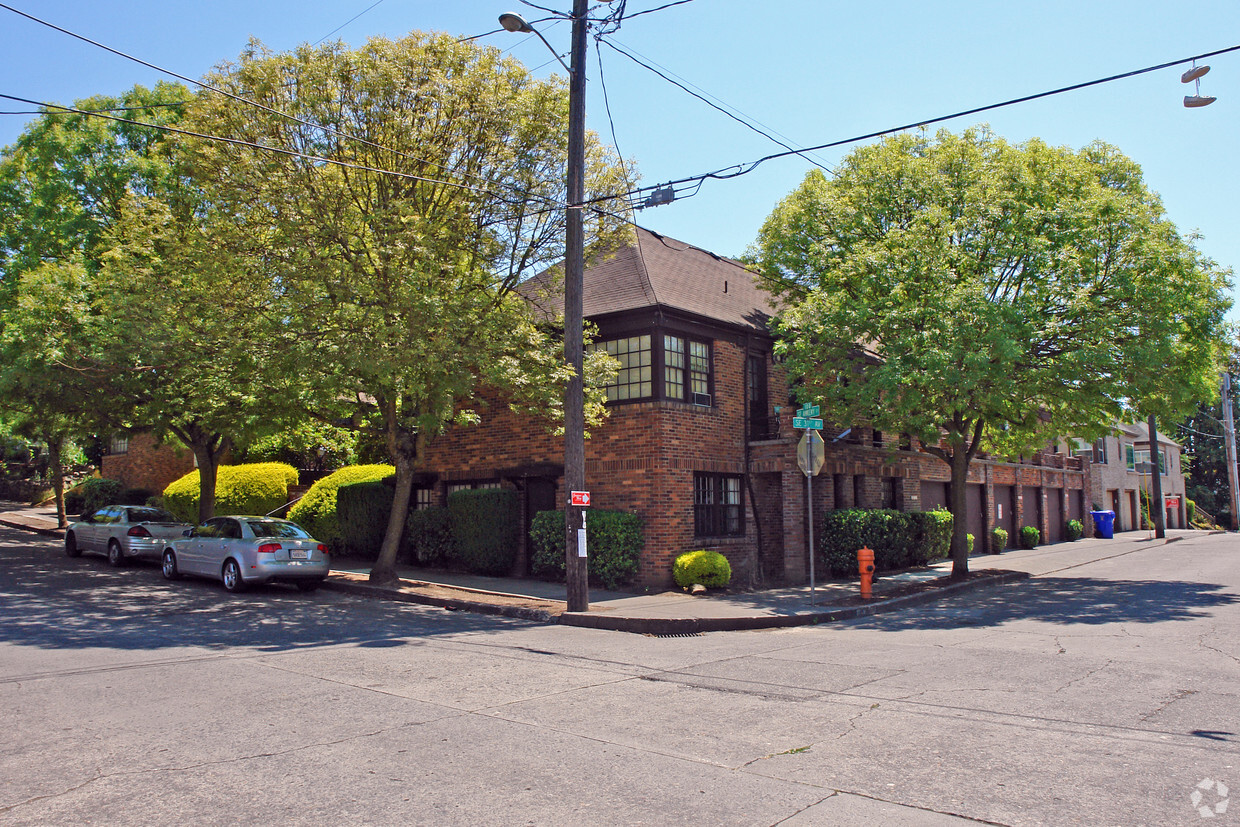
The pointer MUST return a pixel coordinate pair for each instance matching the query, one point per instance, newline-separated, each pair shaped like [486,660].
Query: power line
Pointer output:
[712,105]
[652,11]
[624,170]
[744,168]
[347,22]
[326,129]
[278,150]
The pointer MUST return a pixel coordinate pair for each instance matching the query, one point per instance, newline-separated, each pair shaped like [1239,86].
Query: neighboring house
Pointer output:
[140,461]
[1122,468]
[699,440]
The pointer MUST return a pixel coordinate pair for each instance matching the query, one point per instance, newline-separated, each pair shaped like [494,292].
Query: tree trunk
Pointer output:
[957,503]
[208,471]
[404,449]
[1158,506]
[55,447]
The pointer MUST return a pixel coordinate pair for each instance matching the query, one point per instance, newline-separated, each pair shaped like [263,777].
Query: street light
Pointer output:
[574,275]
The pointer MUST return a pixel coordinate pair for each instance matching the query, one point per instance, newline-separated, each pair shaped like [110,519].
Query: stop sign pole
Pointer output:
[811,454]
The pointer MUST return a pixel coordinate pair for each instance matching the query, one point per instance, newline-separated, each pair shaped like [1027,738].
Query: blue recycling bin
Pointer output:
[1104,524]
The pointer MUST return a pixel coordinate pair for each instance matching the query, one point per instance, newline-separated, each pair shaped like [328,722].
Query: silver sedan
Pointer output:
[242,551]
[122,532]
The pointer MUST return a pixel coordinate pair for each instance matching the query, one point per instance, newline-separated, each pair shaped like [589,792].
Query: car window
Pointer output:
[276,528]
[211,528]
[107,515]
[154,515]
[230,530]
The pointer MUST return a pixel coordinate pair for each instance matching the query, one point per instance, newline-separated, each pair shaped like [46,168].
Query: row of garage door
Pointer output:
[935,494]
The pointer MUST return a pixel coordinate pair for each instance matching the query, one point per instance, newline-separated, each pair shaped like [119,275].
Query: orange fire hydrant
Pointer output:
[865,564]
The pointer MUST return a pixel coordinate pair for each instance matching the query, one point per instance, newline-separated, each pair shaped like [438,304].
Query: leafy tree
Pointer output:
[1205,454]
[47,333]
[987,296]
[433,187]
[65,179]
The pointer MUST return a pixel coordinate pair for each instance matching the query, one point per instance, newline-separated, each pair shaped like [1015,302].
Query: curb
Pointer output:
[685,626]
[47,532]
[475,606]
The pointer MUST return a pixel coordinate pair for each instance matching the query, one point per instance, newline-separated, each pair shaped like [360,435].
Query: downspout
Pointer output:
[757,575]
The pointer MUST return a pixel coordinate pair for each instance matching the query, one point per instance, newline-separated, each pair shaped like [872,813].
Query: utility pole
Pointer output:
[1158,506]
[576,571]
[1229,437]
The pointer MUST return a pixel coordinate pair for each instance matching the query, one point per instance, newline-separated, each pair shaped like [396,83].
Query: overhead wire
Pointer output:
[267,148]
[652,11]
[347,22]
[744,168]
[240,99]
[713,105]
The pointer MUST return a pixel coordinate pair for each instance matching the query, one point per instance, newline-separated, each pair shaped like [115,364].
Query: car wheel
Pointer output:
[116,557]
[308,585]
[71,546]
[232,577]
[169,566]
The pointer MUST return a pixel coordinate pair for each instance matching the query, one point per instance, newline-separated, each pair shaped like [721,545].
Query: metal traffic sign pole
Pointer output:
[811,454]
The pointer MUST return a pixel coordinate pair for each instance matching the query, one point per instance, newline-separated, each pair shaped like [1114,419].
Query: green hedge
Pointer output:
[362,511]
[428,537]
[1029,536]
[316,511]
[256,488]
[1190,507]
[998,540]
[1073,530]
[485,526]
[615,542]
[710,568]
[900,539]
[92,495]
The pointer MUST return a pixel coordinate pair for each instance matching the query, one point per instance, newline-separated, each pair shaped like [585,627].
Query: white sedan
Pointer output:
[243,551]
[122,532]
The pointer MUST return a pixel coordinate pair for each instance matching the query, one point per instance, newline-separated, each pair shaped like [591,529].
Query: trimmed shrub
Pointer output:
[900,539]
[1190,508]
[970,536]
[1029,537]
[428,537]
[615,542]
[710,568]
[932,536]
[316,511]
[1073,530]
[998,540]
[362,511]
[485,526]
[96,493]
[256,488]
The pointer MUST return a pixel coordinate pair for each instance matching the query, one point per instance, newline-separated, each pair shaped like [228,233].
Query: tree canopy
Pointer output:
[425,181]
[981,295]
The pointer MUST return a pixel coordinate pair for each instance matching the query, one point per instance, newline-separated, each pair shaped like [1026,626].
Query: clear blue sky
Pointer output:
[812,71]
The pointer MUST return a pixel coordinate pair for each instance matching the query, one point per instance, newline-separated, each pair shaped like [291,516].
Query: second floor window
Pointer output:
[659,367]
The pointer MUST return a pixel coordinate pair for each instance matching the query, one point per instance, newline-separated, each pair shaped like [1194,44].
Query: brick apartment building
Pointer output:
[699,439]
[1120,474]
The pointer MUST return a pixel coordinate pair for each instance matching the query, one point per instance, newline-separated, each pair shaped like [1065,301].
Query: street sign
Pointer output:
[1173,502]
[809,424]
[811,453]
[808,410]
[580,499]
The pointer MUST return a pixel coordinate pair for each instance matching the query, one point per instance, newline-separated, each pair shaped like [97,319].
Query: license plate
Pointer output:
[298,554]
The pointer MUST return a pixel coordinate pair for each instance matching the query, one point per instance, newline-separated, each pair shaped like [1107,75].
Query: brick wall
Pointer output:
[148,464]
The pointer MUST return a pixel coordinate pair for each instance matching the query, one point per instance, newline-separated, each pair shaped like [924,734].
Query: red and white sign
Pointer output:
[1173,502]
[581,499]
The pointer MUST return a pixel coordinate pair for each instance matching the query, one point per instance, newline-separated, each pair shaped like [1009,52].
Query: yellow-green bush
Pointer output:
[256,488]
[710,568]
[316,512]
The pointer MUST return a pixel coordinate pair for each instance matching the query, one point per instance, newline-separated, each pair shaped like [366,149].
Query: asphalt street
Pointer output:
[1103,693]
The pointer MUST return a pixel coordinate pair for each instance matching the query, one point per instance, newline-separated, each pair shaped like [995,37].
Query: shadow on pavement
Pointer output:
[51,601]
[1067,600]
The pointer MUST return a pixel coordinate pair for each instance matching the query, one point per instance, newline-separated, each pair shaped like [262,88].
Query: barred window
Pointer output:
[120,445]
[717,509]
[423,498]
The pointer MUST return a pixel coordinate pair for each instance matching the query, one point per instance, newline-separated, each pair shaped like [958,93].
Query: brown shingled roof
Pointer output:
[657,271]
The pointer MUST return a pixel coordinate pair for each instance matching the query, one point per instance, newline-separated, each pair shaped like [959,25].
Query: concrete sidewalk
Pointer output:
[674,612]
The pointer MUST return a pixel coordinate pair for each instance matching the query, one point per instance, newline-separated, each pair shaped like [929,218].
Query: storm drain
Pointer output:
[679,634]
